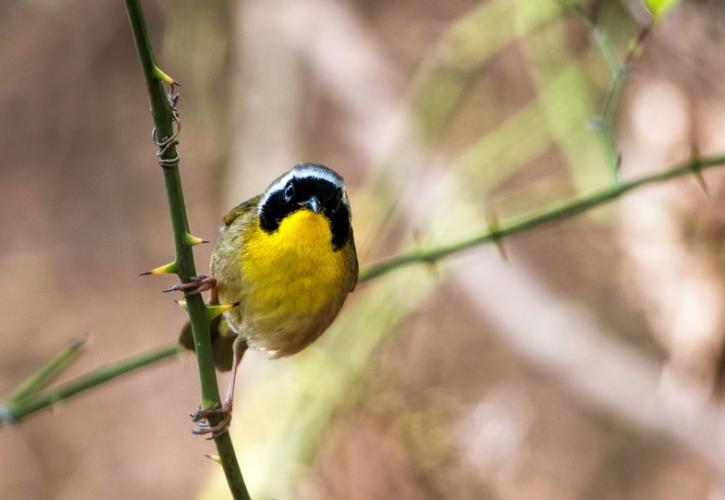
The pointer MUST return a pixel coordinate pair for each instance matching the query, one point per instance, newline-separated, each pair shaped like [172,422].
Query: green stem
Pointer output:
[162,114]
[605,126]
[558,212]
[13,410]
[609,53]
[54,367]
[605,123]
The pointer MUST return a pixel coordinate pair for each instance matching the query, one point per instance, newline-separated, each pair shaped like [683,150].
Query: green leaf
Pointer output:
[659,7]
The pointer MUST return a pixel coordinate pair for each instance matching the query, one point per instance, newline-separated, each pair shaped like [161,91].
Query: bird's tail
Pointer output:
[222,338]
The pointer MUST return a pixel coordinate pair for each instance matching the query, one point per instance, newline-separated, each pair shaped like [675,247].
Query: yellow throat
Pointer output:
[294,270]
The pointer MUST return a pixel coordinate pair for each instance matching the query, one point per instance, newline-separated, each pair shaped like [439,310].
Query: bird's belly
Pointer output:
[294,286]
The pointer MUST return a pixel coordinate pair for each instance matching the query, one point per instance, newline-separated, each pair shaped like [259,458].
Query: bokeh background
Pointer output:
[588,364]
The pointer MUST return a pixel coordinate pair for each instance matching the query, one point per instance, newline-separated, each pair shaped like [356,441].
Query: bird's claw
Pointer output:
[201,419]
[197,285]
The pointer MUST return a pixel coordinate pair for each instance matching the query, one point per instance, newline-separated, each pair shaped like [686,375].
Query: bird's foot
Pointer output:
[197,284]
[201,419]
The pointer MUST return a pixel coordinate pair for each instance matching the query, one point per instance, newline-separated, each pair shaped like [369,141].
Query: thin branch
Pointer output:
[604,123]
[164,115]
[14,410]
[48,372]
[558,212]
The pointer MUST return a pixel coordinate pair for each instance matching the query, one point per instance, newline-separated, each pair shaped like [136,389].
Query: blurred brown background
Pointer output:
[587,366]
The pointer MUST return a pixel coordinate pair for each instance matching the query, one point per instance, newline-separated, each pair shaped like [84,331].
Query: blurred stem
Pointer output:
[163,117]
[558,212]
[604,124]
[13,410]
[609,53]
[54,367]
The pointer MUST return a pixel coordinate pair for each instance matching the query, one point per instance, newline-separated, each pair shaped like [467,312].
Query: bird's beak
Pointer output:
[313,204]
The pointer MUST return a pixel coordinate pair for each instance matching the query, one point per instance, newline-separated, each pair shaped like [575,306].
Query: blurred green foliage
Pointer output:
[659,7]
[292,402]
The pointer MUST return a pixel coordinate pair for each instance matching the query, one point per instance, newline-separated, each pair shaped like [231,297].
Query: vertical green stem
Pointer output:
[605,126]
[619,69]
[162,114]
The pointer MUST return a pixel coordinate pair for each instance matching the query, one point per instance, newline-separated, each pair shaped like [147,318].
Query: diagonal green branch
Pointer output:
[163,115]
[13,410]
[558,212]
[10,412]
[52,369]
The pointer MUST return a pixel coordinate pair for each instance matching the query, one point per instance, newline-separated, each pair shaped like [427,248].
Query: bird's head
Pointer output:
[310,187]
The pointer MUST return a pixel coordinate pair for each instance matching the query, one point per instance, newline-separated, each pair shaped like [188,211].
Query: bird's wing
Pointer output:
[240,210]
[352,261]
[222,339]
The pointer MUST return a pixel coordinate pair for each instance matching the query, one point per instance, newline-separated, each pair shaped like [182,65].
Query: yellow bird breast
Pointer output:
[294,283]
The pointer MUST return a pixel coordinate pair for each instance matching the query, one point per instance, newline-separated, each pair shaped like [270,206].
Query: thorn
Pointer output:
[169,268]
[192,240]
[431,263]
[214,458]
[493,229]
[696,172]
[212,311]
[164,77]
[618,168]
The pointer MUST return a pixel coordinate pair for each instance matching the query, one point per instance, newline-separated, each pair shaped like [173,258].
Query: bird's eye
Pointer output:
[289,192]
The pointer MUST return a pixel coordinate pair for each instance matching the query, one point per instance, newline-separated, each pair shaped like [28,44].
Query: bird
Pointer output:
[285,262]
